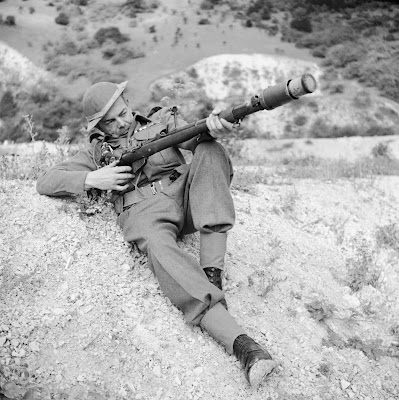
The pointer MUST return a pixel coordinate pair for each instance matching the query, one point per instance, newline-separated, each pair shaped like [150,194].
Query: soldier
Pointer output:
[160,198]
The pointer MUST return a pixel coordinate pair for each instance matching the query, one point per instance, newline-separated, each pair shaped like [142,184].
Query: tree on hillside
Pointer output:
[111,33]
[10,20]
[8,106]
[301,23]
[62,19]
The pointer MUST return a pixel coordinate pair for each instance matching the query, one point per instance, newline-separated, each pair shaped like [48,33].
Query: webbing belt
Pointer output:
[145,192]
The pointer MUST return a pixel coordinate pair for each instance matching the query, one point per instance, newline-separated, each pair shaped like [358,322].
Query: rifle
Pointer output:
[268,99]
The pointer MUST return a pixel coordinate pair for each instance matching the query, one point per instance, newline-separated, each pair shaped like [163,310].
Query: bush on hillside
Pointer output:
[327,37]
[302,24]
[8,106]
[132,7]
[67,47]
[261,8]
[62,19]
[10,20]
[319,52]
[125,54]
[110,33]
[204,21]
[82,3]
[209,4]
[341,55]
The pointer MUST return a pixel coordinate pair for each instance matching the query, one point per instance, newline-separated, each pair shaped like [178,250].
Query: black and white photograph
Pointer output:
[199,200]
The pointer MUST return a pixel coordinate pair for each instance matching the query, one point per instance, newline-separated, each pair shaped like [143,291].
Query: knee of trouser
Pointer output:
[212,151]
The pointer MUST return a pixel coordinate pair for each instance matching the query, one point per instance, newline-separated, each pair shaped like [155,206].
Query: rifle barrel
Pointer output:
[268,99]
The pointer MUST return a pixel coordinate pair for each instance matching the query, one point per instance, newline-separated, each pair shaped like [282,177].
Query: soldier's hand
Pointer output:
[218,126]
[110,177]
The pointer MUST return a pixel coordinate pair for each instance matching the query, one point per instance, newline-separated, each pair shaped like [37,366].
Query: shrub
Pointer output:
[327,37]
[110,33]
[362,99]
[261,8]
[208,4]
[337,88]
[320,129]
[378,130]
[343,54]
[388,236]
[62,19]
[319,52]
[362,268]
[381,150]
[132,7]
[302,24]
[300,120]
[8,106]
[203,21]
[68,48]
[389,38]
[124,55]
[10,20]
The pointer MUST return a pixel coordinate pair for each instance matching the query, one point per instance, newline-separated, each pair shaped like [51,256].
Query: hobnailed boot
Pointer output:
[255,360]
[212,252]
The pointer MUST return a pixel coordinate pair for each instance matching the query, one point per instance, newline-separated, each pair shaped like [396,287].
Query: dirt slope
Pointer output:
[82,318]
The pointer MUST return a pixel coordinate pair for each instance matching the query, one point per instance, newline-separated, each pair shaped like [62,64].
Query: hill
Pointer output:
[144,40]
[312,263]
[311,273]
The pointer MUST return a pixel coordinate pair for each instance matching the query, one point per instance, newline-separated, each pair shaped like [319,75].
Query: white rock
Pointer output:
[3,339]
[177,381]
[344,384]
[157,371]
[34,346]
[351,301]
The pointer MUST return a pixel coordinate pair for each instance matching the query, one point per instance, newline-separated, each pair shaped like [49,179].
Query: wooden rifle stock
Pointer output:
[269,98]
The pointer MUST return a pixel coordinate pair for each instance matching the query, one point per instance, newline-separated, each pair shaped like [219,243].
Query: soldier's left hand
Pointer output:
[218,126]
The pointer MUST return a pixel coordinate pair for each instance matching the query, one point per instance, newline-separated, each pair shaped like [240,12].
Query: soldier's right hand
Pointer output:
[110,177]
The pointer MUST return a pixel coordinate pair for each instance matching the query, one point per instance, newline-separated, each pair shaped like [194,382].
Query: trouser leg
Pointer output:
[154,225]
[208,204]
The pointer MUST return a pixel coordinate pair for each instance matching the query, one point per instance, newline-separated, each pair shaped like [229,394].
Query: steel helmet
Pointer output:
[98,99]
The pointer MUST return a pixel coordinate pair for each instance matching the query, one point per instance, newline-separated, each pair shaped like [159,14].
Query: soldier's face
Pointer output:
[117,120]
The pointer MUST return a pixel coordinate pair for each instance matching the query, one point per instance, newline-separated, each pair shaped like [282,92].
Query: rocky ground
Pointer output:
[309,274]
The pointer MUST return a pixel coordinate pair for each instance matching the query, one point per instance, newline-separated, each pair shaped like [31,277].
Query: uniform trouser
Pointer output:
[199,200]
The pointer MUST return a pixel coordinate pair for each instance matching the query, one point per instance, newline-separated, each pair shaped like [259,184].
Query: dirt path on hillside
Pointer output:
[82,317]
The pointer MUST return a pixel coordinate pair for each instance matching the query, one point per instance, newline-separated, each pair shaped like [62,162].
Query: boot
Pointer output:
[256,361]
[212,252]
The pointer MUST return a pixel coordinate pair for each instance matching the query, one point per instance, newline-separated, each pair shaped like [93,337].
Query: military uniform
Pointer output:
[169,198]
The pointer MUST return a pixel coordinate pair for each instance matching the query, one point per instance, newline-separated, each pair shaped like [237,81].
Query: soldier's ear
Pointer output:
[126,100]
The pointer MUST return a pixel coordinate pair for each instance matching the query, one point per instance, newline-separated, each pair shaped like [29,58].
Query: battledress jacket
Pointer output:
[68,177]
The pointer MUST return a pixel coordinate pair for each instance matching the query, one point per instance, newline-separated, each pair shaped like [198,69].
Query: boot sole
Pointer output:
[259,372]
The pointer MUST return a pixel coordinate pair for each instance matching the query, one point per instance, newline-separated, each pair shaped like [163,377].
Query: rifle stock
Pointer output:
[268,99]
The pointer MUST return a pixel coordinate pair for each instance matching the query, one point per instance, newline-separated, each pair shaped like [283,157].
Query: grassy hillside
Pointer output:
[89,41]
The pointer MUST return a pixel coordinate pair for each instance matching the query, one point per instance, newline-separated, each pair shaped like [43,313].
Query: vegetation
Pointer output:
[132,7]
[111,33]
[329,29]
[49,108]
[10,20]
[62,19]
